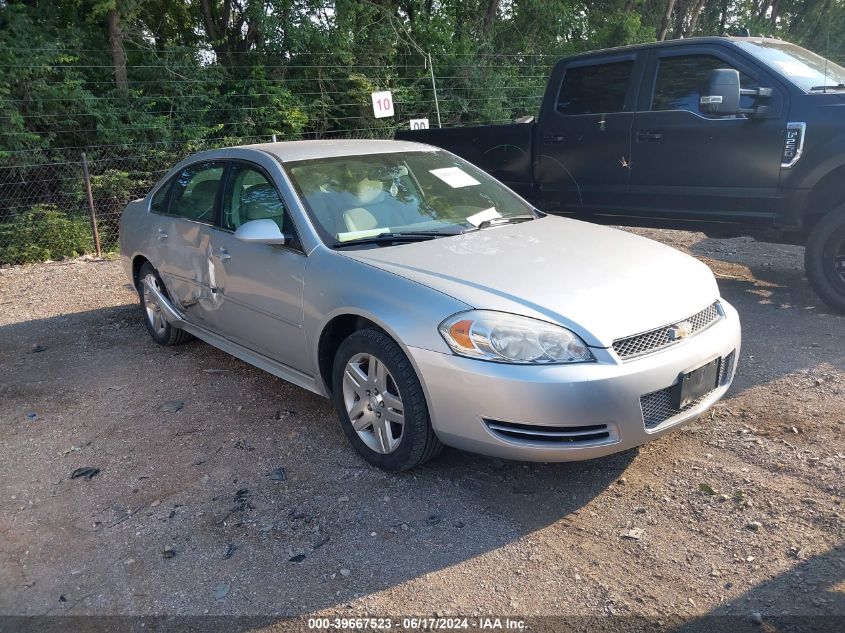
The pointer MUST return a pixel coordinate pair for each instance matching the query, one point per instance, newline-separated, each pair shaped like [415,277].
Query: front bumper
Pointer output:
[589,409]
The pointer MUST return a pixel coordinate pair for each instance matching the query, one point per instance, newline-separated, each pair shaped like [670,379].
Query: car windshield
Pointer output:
[809,71]
[419,193]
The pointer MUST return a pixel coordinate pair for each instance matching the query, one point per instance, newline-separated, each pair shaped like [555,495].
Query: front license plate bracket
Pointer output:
[694,384]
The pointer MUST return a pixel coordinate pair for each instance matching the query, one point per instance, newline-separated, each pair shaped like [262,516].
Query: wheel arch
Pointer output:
[137,262]
[827,195]
[340,325]
[333,333]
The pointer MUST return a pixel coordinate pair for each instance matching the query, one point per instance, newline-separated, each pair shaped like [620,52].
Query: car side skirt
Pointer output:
[176,319]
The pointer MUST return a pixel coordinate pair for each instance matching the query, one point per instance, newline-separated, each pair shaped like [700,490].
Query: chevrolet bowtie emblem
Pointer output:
[680,330]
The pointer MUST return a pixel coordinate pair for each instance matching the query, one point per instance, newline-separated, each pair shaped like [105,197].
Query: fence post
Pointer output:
[91,210]
[434,88]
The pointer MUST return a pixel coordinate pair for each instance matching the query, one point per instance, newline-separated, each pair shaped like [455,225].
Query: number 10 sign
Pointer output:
[382,104]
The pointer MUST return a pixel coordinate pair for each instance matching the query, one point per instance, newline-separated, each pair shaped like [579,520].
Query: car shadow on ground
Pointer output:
[767,606]
[197,477]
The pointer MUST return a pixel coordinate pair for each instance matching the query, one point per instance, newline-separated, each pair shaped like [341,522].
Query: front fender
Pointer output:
[409,312]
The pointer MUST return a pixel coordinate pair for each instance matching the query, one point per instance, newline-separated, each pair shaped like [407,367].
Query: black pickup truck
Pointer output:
[729,136]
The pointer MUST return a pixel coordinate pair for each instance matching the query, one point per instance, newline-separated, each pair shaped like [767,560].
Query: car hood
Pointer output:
[602,283]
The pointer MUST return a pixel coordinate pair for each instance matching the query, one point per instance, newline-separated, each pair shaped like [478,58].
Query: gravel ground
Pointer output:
[737,514]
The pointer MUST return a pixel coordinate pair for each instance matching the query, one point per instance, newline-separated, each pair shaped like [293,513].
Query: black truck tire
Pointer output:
[824,258]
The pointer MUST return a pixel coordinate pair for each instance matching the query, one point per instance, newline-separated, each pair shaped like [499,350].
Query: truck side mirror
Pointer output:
[722,94]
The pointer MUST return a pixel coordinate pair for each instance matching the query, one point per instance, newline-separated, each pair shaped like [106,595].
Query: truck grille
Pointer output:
[657,406]
[660,338]
[593,433]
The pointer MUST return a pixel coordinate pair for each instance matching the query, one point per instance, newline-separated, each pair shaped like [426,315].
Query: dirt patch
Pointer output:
[739,512]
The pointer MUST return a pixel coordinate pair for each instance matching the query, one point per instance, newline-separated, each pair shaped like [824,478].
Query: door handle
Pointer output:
[220,253]
[649,136]
[551,139]
[161,234]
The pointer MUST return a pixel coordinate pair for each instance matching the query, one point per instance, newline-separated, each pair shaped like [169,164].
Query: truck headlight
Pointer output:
[509,338]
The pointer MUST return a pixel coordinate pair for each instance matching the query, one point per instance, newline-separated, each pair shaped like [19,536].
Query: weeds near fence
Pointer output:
[45,211]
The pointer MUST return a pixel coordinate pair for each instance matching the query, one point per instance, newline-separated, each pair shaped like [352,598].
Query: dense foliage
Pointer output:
[112,72]
[139,83]
[41,233]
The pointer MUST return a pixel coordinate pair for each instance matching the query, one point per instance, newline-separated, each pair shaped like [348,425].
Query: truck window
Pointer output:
[681,79]
[598,89]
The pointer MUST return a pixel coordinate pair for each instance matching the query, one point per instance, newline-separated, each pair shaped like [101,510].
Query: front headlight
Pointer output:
[508,338]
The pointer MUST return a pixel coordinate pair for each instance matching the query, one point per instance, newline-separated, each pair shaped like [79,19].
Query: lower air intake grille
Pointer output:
[595,433]
[657,406]
[726,368]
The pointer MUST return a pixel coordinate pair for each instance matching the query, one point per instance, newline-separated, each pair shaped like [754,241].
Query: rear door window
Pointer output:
[161,198]
[195,192]
[597,89]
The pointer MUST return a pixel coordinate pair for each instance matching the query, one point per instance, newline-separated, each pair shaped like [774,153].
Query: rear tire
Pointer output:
[824,259]
[160,330]
[380,402]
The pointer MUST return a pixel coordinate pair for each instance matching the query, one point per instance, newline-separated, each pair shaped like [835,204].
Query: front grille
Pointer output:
[657,406]
[661,337]
[551,434]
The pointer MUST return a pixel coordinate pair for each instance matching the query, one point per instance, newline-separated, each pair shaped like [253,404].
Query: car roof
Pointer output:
[307,150]
[687,41]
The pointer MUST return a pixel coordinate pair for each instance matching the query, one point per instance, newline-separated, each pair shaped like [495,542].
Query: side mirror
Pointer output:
[263,231]
[722,94]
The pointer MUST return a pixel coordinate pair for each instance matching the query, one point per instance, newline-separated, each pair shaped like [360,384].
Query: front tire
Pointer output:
[160,330]
[380,402]
[824,259]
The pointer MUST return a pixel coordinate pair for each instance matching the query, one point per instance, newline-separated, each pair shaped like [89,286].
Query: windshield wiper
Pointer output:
[394,238]
[829,87]
[514,219]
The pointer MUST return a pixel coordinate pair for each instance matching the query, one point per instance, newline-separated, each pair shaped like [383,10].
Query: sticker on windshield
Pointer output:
[355,235]
[455,177]
[481,216]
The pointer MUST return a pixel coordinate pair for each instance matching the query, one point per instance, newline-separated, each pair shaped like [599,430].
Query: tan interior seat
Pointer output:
[359,219]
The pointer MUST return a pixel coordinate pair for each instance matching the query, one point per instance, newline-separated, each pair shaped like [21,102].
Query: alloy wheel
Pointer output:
[373,403]
[155,317]
[839,260]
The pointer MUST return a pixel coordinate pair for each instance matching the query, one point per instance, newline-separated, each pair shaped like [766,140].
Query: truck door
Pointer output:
[694,166]
[583,138]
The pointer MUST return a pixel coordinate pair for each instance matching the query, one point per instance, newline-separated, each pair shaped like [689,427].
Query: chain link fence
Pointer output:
[45,213]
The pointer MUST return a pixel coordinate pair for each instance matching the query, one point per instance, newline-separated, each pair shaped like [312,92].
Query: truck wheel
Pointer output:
[824,258]
[380,402]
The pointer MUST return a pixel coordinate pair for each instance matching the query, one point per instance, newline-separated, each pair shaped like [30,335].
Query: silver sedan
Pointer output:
[430,303]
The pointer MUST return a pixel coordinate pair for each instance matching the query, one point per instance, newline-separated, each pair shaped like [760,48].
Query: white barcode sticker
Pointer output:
[455,177]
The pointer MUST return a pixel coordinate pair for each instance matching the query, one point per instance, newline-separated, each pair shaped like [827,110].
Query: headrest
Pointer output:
[260,202]
[205,191]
